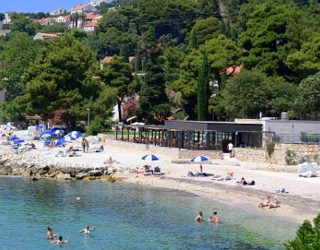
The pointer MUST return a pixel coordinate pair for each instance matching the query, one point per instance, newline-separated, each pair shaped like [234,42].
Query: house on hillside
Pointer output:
[45,21]
[45,36]
[4,32]
[83,8]
[234,69]
[58,12]
[7,18]
[90,27]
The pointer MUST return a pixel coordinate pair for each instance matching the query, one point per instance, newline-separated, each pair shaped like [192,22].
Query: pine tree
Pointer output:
[203,90]
[193,40]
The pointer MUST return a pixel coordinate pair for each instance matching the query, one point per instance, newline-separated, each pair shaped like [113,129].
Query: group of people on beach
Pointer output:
[59,240]
[275,203]
[215,218]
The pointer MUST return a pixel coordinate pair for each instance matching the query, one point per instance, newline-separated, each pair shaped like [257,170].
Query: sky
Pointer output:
[37,5]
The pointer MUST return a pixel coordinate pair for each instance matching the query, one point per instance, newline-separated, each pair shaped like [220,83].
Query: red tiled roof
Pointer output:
[91,25]
[107,59]
[235,69]
[90,16]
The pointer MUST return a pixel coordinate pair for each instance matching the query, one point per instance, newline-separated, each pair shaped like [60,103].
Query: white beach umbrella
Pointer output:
[200,158]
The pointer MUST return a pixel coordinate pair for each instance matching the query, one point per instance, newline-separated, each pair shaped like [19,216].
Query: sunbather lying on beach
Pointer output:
[265,203]
[275,203]
[244,182]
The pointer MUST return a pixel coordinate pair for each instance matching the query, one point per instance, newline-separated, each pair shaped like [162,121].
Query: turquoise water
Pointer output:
[126,217]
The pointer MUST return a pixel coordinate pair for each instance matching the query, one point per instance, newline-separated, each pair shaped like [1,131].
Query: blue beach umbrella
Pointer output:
[150,157]
[61,142]
[200,158]
[39,127]
[13,138]
[19,141]
[46,134]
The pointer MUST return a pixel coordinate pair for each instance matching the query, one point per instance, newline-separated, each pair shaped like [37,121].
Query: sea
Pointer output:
[127,216]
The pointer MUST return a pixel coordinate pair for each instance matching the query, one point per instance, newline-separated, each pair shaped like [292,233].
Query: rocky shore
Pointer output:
[38,168]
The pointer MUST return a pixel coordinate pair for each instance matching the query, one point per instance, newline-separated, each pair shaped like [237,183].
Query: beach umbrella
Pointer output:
[73,135]
[18,141]
[39,127]
[61,142]
[13,138]
[150,157]
[200,158]
[46,134]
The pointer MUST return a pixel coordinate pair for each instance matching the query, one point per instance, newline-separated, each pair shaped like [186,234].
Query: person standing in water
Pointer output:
[199,217]
[50,234]
[215,218]
[87,229]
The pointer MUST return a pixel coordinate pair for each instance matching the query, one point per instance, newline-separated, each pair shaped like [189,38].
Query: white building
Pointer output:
[58,12]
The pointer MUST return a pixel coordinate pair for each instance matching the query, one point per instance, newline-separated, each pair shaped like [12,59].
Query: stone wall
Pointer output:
[212,154]
[171,153]
[284,154]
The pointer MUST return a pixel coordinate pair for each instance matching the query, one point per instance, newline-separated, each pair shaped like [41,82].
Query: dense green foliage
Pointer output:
[307,236]
[276,43]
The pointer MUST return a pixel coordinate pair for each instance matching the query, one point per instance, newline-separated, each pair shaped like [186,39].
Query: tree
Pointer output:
[154,106]
[118,75]
[114,19]
[269,35]
[18,54]
[203,90]
[307,102]
[60,78]
[222,53]
[251,92]
[206,29]
[2,17]
[307,236]
[187,82]
[20,23]
[306,61]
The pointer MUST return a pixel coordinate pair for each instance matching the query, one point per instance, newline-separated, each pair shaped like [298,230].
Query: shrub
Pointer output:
[308,236]
[270,148]
[290,157]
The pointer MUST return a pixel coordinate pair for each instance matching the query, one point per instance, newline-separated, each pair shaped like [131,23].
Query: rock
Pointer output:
[73,173]
[43,171]
[63,176]
[52,174]
[81,175]
[66,170]
[26,173]
[95,173]
[6,170]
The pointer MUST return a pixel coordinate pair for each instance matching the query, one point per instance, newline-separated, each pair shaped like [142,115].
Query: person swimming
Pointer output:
[60,241]
[199,217]
[50,234]
[87,229]
[215,218]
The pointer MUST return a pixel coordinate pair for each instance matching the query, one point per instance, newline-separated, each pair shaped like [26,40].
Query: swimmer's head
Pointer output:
[60,237]
[215,213]
[49,228]
[200,213]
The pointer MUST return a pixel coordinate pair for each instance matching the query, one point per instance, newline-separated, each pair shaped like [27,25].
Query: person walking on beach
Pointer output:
[85,145]
[230,149]
[201,168]
[50,234]
[87,229]
[199,217]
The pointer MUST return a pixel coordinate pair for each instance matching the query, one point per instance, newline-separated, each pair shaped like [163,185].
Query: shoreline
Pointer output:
[301,203]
